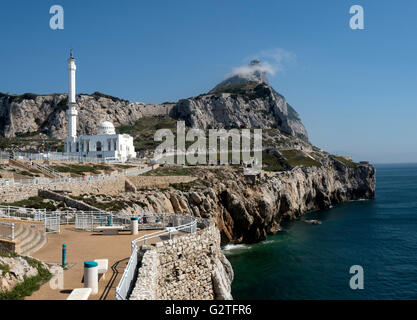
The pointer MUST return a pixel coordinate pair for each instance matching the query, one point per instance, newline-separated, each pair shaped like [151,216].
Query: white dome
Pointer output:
[106,127]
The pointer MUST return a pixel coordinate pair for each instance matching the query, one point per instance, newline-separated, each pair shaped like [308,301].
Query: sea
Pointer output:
[307,261]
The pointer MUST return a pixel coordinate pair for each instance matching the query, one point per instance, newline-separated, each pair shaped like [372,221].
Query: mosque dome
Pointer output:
[106,127]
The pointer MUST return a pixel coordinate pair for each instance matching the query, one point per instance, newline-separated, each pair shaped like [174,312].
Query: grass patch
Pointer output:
[29,285]
[186,187]
[144,129]
[347,162]
[272,163]
[4,268]
[80,169]
[292,159]
[249,90]
[33,202]
[106,204]
[298,158]
[123,166]
[169,171]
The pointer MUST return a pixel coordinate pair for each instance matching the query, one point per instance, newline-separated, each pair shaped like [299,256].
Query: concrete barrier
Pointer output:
[91,276]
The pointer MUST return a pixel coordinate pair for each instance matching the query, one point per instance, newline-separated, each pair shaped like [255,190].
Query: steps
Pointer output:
[30,238]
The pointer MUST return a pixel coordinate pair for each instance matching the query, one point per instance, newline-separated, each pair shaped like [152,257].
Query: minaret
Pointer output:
[72,106]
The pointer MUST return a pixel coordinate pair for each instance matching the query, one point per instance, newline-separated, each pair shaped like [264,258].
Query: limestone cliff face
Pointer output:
[247,212]
[247,105]
[34,113]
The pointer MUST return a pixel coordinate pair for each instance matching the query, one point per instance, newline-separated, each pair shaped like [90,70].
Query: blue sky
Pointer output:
[355,90]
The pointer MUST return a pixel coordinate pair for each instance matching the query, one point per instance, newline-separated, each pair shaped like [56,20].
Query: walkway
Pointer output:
[82,246]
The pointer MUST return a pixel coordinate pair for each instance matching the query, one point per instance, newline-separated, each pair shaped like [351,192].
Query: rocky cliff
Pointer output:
[241,101]
[243,105]
[31,113]
[247,211]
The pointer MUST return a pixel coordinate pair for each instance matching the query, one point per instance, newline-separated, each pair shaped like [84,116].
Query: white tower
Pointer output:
[72,112]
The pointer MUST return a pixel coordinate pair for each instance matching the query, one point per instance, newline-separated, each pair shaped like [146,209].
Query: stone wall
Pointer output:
[150,182]
[72,203]
[188,267]
[7,246]
[112,186]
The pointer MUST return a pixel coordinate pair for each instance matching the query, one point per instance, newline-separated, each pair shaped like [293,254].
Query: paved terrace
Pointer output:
[83,246]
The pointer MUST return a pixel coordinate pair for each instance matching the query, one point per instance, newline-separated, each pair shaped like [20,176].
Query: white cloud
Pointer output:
[271,62]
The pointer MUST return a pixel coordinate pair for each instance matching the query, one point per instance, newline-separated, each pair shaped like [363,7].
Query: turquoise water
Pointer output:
[313,261]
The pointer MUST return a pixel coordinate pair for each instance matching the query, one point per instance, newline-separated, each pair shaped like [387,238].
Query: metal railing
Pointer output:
[124,287]
[45,168]
[89,221]
[53,156]
[11,212]
[5,183]
[52,223]
[7,230]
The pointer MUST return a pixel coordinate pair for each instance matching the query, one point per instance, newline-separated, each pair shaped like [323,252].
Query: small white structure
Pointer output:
[103,265]
[106,144]
[80,294]
[134,225]
[91,276]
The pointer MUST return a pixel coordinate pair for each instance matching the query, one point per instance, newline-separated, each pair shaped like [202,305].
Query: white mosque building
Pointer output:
[107,144]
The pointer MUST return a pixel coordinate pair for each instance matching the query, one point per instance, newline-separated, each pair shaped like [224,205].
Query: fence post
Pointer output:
[64,255]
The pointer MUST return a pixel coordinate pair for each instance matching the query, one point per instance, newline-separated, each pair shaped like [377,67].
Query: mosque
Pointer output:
[107,144]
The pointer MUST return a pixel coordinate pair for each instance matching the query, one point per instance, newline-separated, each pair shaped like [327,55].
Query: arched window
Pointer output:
[98,146]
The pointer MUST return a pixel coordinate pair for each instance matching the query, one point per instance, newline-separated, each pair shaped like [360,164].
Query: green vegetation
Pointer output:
[292,159]
[347,162]
[105,203]
[4,268]
[123,166]
[80,169]
[62,105]
[97,95]
[29,285]
[298,158]
[249,90]
[186,187]
[272,163]
[169,171]
[144,129]
[33,202]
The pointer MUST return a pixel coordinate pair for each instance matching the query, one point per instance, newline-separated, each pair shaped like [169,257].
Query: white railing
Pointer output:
[7,230]
[47,169]
[53,156]
[90,220]
[12,212]
[52,223]
[5,183]
[126,282]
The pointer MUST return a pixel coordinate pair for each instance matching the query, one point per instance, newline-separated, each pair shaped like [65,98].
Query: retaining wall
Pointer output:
[189,267]
[7,246]
[112,186]
[72,203]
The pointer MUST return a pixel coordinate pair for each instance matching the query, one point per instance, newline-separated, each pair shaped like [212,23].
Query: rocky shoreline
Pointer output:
[247,211]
